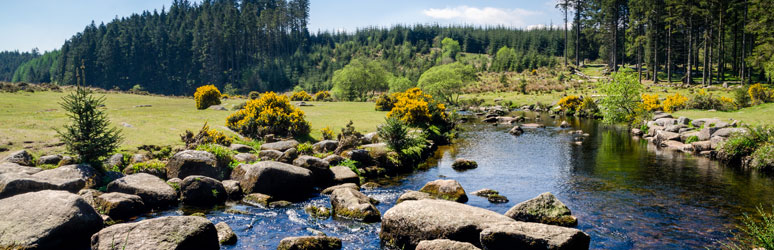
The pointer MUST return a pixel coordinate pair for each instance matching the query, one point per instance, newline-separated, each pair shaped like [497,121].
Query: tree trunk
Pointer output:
[566,2]
[688,72]
[706,52]
[669,54]
[744,43]
[577,32]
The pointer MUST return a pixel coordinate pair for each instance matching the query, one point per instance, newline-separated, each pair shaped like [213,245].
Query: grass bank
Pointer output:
[28,120]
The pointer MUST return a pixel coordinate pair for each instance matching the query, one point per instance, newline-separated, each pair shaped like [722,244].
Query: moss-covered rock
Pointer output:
[546,209]
[226,236]
[257,199]
[464,164]
[446,189]
[352,204]
[310,243]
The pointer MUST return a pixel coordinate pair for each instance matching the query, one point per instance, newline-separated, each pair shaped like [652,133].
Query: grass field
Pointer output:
[29,120]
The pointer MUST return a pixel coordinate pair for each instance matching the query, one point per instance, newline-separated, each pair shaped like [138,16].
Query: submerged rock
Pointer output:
[516,130]
[171,232]
[444,244]
[352,204]
[47,220]
[445,189]
[257,199]
[545,208]
[310,243]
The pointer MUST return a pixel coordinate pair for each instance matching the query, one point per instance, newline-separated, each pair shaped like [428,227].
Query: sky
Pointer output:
[46,24]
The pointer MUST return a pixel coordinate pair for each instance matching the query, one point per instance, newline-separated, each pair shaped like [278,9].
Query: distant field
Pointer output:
[28,120]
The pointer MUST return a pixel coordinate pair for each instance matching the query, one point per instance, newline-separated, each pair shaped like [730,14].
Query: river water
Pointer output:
[625,193]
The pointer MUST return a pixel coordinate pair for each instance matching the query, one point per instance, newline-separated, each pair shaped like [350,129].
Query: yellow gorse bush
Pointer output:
[270,114]
[327,133]
[322,95]
[650,102]
[206,96]
[218,137]
[759,94]
[570,102]
[417,108]
[676,102]
[301,96]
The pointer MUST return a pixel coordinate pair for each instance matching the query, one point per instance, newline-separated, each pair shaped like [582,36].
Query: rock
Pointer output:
[683,120]
[342,174]
[715,141]
[47,220]
[532,125]
[126,125]
[659,115]
[325,146]
[218,108]
[281,146]
[269,155]
[116,160]
[310,243]
[636,132]
[706,133]
[546,209]
[464,164]
[276,204]
[564,124]
[155,193]
[170,232]
[18,183]
[413,196]
[21,157]
[320,170]
[511,235]
[410,222]
[653,129]
[352,204]
[202,191]
[288,156]
[484,192]
[67,160]
[674,128]
[318,212]
[516,130]
[362,156]
[137,158]
[276,179]
[233,190]
[667,136]
[727,132]
[372,137]
[246,157]
[257,199]
[8,167]
[90,196]
[444,244]
[226,236]
[445,189]
[192,162]
[119,206]
[88,175]
[666,121]
[700,146]
[270,138]
[676,146]
[686,135]
[329,190]
[491,119]
[50,159]
[333,160]
[175,183]
[497,198]
[241,148]
[705,121]
[370,185]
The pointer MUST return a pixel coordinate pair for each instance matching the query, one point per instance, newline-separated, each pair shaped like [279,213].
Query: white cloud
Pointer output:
[483,16]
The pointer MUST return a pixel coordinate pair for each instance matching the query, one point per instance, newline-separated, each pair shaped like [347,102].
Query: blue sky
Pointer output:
[46,24]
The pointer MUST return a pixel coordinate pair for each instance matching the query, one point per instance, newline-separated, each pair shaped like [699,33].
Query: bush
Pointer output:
[205,136]
[154,164]
[691,139]
[737,147]
[621,94]
[588,105]
[741,97]
[270,114]
[569,103]
[301,96]
[348,138]
[254,95]
[763,157]
[321,96]
[206,96]
[675,102]
[327,133]
[394,132]
[223,154]
[89,135]
[650,102]
[418,109]
[759,94]
[758,233]
[305,148]
[384,102]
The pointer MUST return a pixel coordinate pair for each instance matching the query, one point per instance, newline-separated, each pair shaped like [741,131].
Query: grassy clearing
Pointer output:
[756,115]
[28,120]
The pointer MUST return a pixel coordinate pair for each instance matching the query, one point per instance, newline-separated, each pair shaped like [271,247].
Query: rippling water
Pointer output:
[625,193]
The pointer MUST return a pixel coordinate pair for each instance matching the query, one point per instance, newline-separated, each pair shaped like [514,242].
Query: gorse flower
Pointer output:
[300,96]
[418,109]
[650,102]
[270,114]
[207,96]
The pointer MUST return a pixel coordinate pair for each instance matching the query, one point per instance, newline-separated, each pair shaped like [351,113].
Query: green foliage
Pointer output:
[621,96]
[384,102]
[222,154]
[151,164]
[763,157]
[400,84]
[359,80]
[204,136]
[757,232]
[394,132]
[351,164]
[89,135]
[508,59]
[446,81]
[305,148]
[450,48]
[744,144]
[327,133]
[691,139]
[254,95]
[741,97]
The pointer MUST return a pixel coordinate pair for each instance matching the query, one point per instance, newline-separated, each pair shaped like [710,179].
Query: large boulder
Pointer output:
[333,160]
[8,167]
[88,175]
[246,157]
[352,204]
[325,146]
[192,162]
[410,222]
[310,243]
[510,235]
[202,191]
[446,189]
[226,235]
[155,193]
[280,180]
[233,190]
[706,133]
[18,183]
[119,206]
[727,132]
[49,160]
[342,174]
[171,232]
[320,169]
[546,209]
[664,135]
[444,244]
[288,156]
[47,220]
[330,189]
[21,157]
[413,196]
[281,146]
[269,155]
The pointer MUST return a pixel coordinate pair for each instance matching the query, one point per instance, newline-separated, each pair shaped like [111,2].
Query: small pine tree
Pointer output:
[90,135]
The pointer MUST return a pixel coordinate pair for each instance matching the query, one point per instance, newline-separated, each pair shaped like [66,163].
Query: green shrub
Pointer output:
[323,96]
[327,133]
[384,103]
[756,233]
[620,103]
[206,96]
[741,97]
[223,154]
[89,135]
[394,132]
[351,164]
[205,136]
[152,164]
[738,146]
[763,157]
[301,96]
[691,139]
[305,148]
[348,138]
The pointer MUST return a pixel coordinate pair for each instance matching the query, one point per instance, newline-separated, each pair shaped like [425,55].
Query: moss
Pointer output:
[318,212]
[235,211]
[48,166]
[199,214]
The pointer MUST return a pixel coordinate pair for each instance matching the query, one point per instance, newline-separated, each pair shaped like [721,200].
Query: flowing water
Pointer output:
[625,193]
